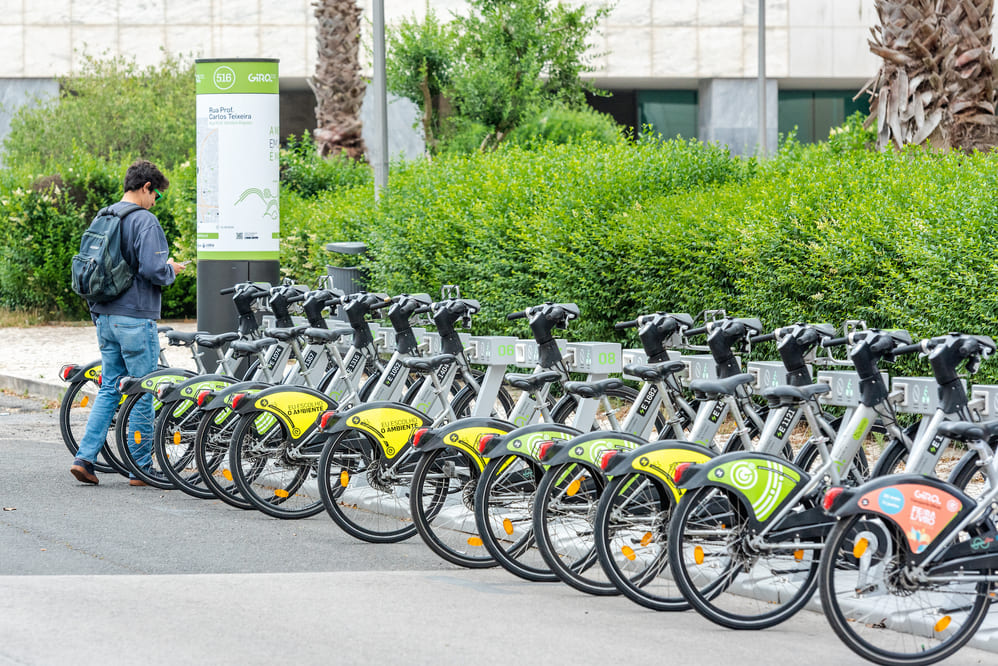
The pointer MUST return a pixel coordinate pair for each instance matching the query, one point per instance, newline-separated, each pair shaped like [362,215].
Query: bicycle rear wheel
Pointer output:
[273,472]
[442,506]
[128,428]
[564,517]
[504,516]
[882,614]
[211,452]
[74,410]
[724,575]
[173,444]
[365,492]
[631,535]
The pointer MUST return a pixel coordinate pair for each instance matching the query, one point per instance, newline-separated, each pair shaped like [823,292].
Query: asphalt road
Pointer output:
[114,574]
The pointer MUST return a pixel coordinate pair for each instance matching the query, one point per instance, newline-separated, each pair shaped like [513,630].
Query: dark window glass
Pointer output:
[670,113]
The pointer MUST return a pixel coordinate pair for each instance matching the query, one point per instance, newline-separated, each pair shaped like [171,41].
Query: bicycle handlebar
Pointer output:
[835,342]
[517,315]
[916,348]
[621,325]
[227,291]
[690,332]
[381,305]
[766,337]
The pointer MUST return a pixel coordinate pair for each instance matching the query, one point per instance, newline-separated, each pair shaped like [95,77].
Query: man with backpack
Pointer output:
[125,311]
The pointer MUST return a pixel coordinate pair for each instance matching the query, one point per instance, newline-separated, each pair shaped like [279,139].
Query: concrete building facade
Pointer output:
[680,67]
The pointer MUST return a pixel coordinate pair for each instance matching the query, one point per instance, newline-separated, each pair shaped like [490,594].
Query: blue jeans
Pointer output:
[128,347]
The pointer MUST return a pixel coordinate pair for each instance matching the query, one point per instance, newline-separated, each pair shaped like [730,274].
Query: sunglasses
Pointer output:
[159,195]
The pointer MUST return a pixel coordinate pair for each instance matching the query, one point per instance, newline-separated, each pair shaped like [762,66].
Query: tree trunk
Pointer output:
[937,81]
[337,84]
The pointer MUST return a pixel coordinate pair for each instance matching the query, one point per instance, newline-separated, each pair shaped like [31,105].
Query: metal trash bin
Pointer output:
[349,279]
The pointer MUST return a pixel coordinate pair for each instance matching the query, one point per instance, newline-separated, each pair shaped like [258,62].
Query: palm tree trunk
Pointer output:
[337,84]
[937,81]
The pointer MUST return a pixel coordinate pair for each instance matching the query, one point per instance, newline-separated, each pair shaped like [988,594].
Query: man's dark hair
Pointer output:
[142,172]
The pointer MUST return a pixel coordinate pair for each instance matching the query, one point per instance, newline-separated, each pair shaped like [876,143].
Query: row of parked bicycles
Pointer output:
[674,474]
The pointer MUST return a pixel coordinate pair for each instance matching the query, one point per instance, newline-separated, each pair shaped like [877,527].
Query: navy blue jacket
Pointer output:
[144,247]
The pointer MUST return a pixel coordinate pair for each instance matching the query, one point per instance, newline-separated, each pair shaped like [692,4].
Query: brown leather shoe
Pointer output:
[83,470]
[137,482]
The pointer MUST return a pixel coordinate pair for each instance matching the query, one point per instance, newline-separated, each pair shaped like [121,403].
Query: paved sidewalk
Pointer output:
[30,358]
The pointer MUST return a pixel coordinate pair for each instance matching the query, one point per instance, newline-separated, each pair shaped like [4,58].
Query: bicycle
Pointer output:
[909,571]
[631,517]
[346,380]
[180,416]
[450,464]
[743,539]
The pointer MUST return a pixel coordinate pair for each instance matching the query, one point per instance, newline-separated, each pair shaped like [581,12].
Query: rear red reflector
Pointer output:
[831,496]
[417,436]
[484,441]
[604,460]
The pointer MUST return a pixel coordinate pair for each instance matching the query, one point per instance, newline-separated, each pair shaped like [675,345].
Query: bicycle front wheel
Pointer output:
[273,472]
[883,614]
[631,532]
[725,574]
[365,492]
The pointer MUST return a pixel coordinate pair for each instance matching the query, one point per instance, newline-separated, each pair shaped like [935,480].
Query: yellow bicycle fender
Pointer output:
[662,463]
[297,411]
[392,427]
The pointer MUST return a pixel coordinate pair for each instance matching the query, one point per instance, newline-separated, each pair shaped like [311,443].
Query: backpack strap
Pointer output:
[121,214]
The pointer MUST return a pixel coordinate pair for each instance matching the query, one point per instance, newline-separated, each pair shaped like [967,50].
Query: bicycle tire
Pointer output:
[504,516]
[509,494]
[273,472]
[211,452]
[631,538]
[564,527]
[72,422]
[883,617]
[711,572]
[350,463]
[125,431]
[448,527]
[173,443]
[456,537]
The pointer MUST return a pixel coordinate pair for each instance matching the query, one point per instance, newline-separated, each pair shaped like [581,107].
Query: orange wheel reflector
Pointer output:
[646,539]
[798,555]
[573,487]
[507,525]
[475,541]
[176,437]
[344,478]
[85,401]
[698,555]
[281,492]
[942,623]
[138,437]
[859,548]
[227,474]
[628,552]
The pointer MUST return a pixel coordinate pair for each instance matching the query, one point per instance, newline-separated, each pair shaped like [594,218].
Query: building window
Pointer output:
[670,113]
[815,112]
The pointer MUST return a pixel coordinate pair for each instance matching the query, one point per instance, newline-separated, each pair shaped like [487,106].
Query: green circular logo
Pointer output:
[224,78]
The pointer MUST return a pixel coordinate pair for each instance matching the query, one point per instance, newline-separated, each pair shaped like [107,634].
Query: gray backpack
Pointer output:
[99,271]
